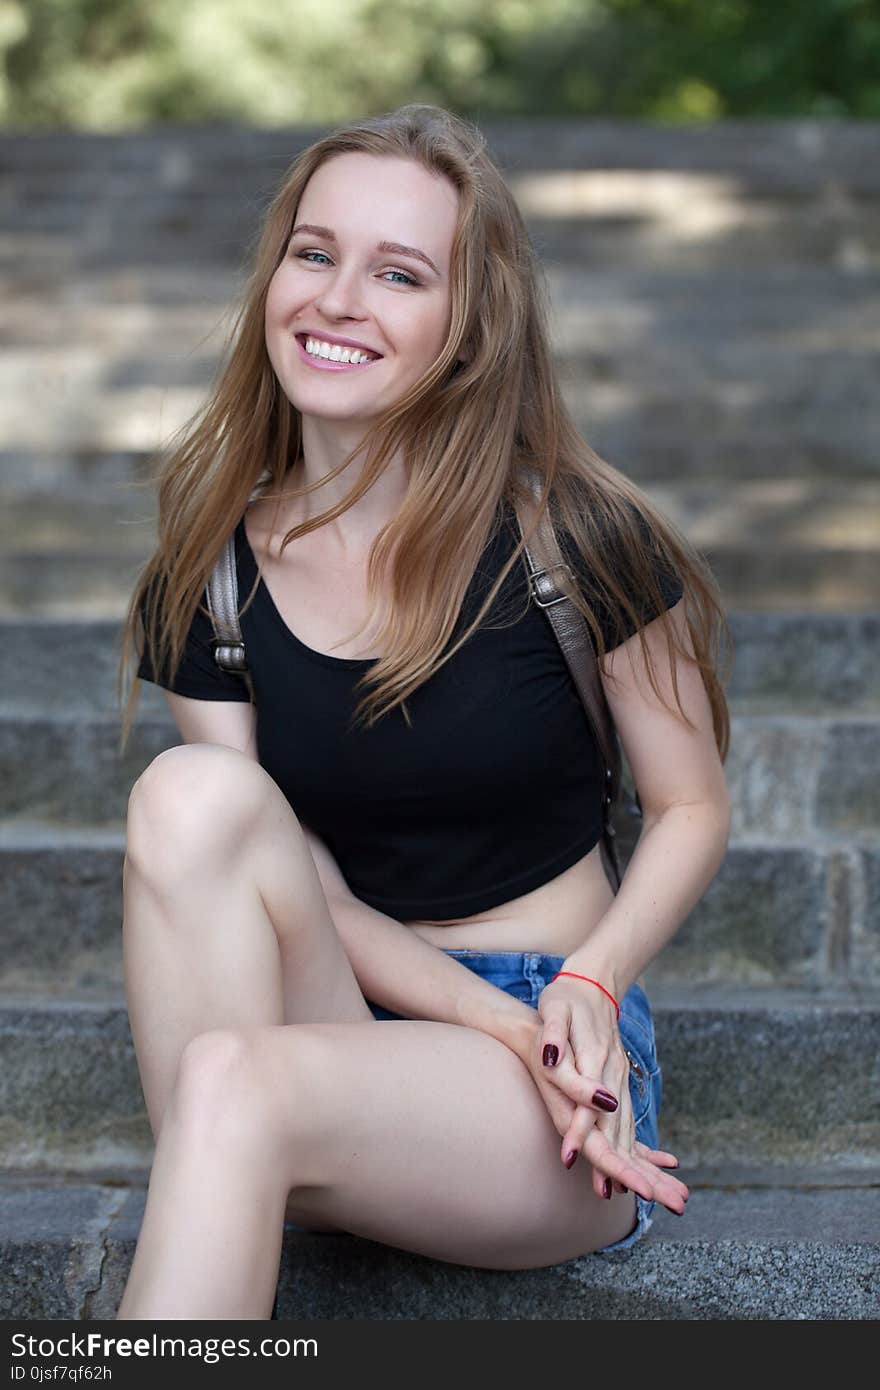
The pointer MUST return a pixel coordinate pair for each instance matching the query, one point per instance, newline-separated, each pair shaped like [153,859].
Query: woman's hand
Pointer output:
[585,1086]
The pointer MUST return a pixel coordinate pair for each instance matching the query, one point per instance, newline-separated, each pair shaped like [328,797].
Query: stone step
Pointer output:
[797,156]
[771,1250]
[799,663]
[757,1079]
[587,188]
[117,517]
[81,586]
[121,483]
[679,328]
[791,916]
[783,915]
[791,777]
[605,192]
[587,219]
[768,373]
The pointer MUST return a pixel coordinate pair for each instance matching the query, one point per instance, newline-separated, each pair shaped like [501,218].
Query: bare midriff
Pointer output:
[555,918]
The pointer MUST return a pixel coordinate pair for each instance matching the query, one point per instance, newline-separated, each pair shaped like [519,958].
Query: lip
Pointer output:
[323,364]
[334,338]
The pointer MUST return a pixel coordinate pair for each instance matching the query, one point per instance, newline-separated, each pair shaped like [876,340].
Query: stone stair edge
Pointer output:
[84,464]
[24,835]
[775,1254]
[748,617]
[700,1176]
[743,711]
[108,1005]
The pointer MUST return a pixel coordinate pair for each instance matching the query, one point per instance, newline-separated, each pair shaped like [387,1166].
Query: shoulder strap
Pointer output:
[571,631]
[222,597]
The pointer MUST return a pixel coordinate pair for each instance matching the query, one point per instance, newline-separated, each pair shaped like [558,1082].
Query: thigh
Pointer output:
[216,829]
[434,1139]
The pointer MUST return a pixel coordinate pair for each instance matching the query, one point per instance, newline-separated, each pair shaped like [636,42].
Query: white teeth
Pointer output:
[334,353]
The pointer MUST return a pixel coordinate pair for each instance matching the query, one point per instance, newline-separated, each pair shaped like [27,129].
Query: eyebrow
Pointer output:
[394,247]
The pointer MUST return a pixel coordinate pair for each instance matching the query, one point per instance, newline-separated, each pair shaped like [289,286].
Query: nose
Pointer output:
[340,295]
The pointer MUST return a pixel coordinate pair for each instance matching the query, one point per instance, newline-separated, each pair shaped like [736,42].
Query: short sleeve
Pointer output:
[198,676]
[619,628]
[671,590]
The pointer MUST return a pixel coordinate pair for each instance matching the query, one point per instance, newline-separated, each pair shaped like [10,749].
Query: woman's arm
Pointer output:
[678,854]
[685,803]
[397,969]
[686,824]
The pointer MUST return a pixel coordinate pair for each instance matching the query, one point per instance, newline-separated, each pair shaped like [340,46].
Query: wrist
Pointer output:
[509,1020]
[594,985]
[599,968]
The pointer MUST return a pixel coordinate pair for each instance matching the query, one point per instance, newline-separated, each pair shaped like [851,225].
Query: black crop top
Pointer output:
[494,790]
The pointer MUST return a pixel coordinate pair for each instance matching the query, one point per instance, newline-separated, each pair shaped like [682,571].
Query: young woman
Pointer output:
[403,823]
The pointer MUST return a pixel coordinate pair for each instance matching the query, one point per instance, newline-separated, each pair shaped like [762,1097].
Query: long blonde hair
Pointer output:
[464,429]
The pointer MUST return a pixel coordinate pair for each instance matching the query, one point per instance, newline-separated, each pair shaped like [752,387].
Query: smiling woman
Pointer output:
[347,292]
[378,980]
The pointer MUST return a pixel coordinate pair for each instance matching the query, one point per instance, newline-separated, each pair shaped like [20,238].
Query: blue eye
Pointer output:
[405,277]
[408,278]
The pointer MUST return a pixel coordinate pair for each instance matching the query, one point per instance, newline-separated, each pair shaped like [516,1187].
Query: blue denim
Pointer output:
[524,974]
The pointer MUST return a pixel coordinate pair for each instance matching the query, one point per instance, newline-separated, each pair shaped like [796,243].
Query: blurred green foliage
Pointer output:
[123,64]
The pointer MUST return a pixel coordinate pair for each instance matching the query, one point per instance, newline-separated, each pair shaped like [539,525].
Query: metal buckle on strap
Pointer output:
[230,655]
[536,575]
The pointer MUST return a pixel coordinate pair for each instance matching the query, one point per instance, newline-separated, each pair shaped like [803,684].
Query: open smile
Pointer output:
[324,364]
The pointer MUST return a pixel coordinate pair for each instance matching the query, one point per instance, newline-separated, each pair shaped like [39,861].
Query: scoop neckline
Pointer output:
[320,658]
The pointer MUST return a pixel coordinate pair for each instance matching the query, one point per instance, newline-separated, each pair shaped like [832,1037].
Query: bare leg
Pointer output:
[225,919]
[425,1136]
[228,937]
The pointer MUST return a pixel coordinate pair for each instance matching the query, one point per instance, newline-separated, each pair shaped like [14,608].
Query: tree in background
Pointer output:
[124,64]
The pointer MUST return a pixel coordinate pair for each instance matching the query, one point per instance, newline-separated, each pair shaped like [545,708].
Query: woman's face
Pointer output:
[336,282]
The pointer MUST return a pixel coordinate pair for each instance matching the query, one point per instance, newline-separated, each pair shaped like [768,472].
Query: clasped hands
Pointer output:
[585,1086]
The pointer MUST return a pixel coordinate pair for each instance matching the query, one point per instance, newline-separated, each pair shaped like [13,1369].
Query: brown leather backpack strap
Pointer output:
[543,559]
[222,599]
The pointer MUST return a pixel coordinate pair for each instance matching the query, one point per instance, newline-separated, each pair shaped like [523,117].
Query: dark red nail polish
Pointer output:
[604,1100]
[570,1158]
[550,1055]
[606,1188]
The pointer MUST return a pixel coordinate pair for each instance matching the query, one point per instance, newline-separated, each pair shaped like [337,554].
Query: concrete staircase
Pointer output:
[716,305]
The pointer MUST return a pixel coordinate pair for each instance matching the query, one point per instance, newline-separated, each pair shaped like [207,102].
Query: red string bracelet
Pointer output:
[606,992]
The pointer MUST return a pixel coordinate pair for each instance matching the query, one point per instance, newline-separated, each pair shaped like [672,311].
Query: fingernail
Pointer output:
[604,1100]
[550,1055]
[570,1158]
[606,1188]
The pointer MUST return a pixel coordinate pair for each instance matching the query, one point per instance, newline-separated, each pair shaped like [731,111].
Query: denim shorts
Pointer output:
[524,974]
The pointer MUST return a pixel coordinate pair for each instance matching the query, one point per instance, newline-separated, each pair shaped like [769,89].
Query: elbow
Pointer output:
[724,810]
[721,816]
[715,816]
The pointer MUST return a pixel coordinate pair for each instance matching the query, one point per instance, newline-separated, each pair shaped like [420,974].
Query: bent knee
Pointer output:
[218,1076]
[192,800]
[253,1067]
